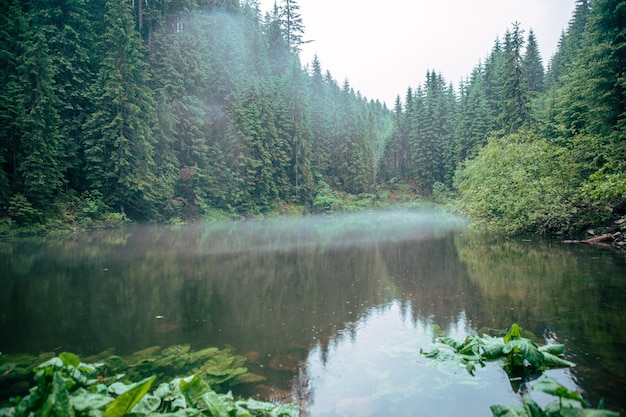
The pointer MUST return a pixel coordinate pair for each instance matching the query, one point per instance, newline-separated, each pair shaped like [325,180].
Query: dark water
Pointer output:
[333,309]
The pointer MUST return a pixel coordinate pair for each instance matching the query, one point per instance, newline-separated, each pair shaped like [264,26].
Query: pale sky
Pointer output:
[384,47]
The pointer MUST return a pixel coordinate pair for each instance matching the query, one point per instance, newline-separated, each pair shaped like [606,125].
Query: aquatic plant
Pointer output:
[68,387]
[567,404]
[521,356]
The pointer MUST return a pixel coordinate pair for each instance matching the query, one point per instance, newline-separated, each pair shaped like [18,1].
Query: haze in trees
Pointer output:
[165,110]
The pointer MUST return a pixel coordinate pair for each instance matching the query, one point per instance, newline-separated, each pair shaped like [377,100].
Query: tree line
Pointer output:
[156,110]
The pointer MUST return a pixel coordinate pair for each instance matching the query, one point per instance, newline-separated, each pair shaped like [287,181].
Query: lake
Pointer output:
[332,310]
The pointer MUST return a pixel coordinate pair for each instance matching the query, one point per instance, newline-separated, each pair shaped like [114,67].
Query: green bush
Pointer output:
[520,183]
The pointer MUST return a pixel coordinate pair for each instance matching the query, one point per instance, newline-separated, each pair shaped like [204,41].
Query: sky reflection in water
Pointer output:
[376,369]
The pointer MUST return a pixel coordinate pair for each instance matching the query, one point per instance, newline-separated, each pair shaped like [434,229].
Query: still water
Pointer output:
[332,311]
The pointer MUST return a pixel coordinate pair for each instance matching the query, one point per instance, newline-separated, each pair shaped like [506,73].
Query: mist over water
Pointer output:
[328,231]
[332,310]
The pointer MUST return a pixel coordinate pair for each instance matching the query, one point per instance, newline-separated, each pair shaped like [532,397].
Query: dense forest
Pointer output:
[170,110]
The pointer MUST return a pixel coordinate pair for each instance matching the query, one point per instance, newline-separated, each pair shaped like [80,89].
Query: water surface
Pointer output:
[333,310]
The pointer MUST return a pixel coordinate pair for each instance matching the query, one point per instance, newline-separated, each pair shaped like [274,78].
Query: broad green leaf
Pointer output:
[532,408]
[247,378]
[85,401]
[286,410]
[69,359]
[492,349]
[194,389]
[508,411]
[453,343]
[125,402]
[256,405]
[513,333]
[554,349]
[55,362]
[553,360]
[202,354]
[58,402]
[527,348]
[176,350]
[214,403]
[147,404]
[551,386]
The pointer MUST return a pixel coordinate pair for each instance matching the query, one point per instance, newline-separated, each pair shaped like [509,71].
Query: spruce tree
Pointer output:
[533,66]
[119,149]
[513,90]
[292,25]
[40,153]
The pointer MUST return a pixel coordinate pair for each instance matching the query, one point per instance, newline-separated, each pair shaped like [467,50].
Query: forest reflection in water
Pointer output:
[333,310]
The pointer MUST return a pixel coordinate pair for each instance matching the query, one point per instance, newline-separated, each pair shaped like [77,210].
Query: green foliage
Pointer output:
[68,387]
[125,402]
[174,109]
[22,211]
[520,183]
[326,201]
[520,356]
[563,406]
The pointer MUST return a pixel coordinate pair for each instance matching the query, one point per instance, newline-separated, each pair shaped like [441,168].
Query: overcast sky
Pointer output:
[383,47]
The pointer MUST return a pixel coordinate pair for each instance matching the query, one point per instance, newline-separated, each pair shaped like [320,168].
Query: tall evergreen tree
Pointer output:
[532,64]
[292,25]
[514,82]
[40,152]
[11,25]
[119,149]
[474,122]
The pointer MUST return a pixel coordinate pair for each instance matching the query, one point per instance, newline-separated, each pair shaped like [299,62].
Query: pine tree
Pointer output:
[119,149]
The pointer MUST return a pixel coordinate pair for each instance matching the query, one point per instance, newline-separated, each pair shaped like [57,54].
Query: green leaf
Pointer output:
[194,389]
[125,402]
[551,386]
[286,410]
[58,402]
[554,349]
[553,360]
[214,403]
[69,359]
[513,333]
[527,348]
[532,408]
[492,347]
[85,401]
[508,411]
[579,412]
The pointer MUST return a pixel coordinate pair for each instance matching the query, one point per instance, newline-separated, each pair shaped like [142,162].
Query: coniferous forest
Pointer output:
[170,110]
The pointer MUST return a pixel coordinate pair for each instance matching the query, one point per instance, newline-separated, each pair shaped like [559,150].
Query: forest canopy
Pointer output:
[170,110]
